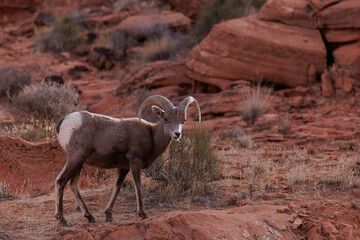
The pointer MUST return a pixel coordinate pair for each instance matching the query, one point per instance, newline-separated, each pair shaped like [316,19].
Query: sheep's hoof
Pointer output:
[109,217]
[90,218]
[63,222]
[142,214]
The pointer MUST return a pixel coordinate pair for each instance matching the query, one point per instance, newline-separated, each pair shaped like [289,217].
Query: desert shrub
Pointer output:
[186,172]
[216,10]
[64,37]
[40,107]
[12,81]
[118,42]
[158,49]
[255,103]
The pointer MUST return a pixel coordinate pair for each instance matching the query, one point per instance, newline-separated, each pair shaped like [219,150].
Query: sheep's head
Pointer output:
[173,117]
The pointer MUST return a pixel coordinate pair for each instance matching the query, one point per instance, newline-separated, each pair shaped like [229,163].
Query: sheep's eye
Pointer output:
[166,119]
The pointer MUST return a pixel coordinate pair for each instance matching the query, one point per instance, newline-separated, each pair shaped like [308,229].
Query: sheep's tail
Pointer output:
[58,125]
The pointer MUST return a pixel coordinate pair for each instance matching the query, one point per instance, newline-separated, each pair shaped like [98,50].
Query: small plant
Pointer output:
[255,103]
[188,169]
[64,37]
[240,138]
[5,192]
[158,49]
[310,151]
[216,10]
[348,146]
[42,106]
[12,81]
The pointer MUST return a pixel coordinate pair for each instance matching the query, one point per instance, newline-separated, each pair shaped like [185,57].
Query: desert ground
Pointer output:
[278,85]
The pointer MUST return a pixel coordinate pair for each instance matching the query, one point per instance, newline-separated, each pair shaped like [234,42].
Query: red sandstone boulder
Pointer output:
[318,5]
[190,8]
[248,48]
[13,11]
[291,12]
[141,25]
[327,83]
[345,14]
[349,55]
[342,35]
[264,221]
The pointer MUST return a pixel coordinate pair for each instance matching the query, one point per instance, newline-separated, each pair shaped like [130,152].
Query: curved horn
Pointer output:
[184,104]
[162,101]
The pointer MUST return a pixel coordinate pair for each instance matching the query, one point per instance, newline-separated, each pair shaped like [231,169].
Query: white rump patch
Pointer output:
[71,123]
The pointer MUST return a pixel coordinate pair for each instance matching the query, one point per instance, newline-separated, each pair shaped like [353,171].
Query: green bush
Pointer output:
[39,107]
[191,165]
[64,37]
[216,10]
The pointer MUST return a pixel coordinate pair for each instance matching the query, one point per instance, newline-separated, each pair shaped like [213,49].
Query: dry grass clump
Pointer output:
[188,169]
[342,174]
[255,103]
[297,175]
[240,138]
[347,146]
[12,81]
[39,107]
[64,37]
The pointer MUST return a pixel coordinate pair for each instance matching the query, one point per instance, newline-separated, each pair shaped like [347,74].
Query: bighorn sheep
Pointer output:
[128,144]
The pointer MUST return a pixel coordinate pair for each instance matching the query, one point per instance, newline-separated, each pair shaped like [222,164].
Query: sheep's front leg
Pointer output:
[135,168]
[120,176]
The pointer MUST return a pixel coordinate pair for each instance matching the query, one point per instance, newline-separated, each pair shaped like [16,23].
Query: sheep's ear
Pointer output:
[158,111]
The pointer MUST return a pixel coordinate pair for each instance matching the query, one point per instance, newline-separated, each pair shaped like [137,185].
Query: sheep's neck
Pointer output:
[160,140]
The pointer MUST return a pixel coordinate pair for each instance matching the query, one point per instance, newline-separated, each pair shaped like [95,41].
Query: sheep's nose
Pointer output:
[177,134]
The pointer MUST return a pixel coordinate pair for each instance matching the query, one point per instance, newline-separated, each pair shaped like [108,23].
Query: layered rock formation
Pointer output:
[290,42]
[249,48]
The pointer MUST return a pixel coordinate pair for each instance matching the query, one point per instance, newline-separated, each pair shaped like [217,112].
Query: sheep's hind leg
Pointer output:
[72,166]
[135,167]
[60,184]
[74,183]
[120,176]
